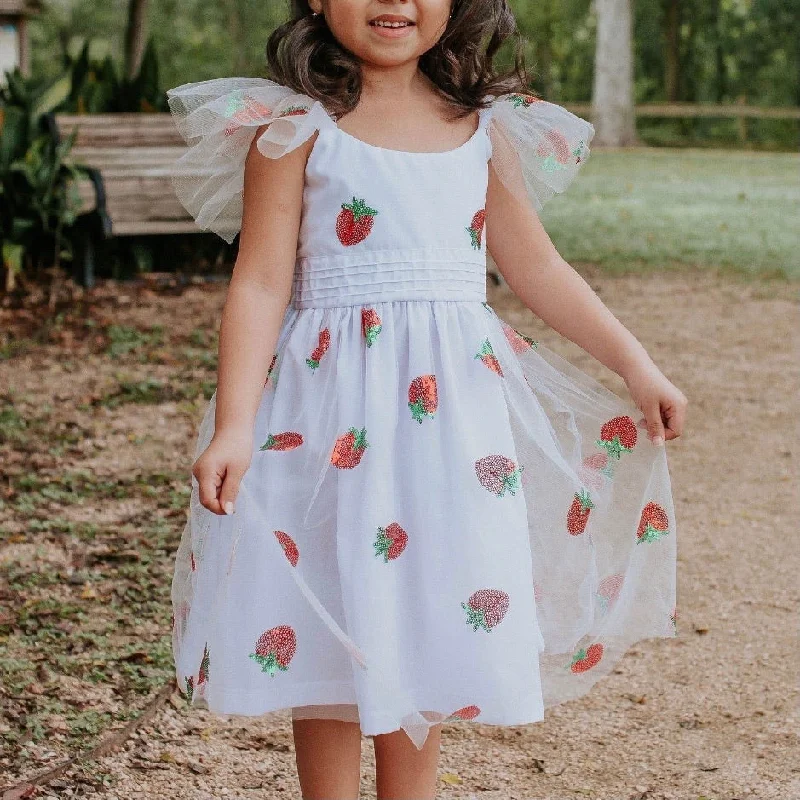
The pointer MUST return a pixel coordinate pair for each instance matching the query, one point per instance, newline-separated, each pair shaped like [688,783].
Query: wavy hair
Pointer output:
[303,54]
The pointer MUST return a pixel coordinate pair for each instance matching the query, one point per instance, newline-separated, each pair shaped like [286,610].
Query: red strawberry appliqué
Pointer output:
[205,664]
[518,99]
[354,222]
[423,398]
[586,658]
[475,229]
[288,440]
[271,373]
[618,436]
[321,348]
[487,356]
[498,474]
[390,542]
[349,448]
[289,547]
[519,341]
[242,110]
[653,523]
[275,649]
[578,514]
[463,714]
[608,590]
[370,325]
[486,608]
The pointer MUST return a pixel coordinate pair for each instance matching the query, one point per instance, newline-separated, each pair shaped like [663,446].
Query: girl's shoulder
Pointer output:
[218,119]
[538,147]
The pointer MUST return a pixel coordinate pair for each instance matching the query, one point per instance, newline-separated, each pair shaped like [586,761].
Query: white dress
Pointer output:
[442,520]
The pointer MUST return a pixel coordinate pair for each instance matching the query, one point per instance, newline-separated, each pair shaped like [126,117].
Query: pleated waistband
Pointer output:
[385,275]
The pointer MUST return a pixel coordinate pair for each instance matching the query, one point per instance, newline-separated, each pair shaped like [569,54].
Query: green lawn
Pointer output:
[658,208]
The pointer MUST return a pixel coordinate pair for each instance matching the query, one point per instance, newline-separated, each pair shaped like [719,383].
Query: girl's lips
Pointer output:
[392,33]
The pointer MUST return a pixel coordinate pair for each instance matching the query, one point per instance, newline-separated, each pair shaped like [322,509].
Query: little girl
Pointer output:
[405,512]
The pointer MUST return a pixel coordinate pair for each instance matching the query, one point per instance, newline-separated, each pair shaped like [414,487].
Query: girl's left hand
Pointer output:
[662,403]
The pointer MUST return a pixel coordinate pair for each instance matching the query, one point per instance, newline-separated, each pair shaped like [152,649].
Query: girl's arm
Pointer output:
[258,294]
[556,293]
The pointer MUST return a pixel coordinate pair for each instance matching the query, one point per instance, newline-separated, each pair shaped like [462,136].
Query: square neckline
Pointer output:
[475,135]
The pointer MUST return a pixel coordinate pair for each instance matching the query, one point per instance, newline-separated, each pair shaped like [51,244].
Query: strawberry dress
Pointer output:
[442,520]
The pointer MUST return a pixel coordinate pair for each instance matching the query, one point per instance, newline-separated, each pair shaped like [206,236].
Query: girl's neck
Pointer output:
[401,83]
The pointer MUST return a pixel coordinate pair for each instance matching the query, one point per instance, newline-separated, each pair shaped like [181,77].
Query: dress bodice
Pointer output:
[381,224]
[377,224]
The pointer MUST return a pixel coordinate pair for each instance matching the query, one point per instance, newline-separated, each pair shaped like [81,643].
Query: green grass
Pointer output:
[658,208]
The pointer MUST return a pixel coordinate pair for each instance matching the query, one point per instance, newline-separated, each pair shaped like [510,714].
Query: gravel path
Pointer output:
[712,714]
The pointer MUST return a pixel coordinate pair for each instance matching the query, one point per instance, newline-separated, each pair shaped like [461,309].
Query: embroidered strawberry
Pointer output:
[289,547]
[518,341]
[270,371]
[608,590]
[585,659]
[498,474]
[275,649]
[486,608]
[518,99]
[423,398]
[370,325]
[243,109]
[578,514]
[390,542]
[205,663]
[579,152]
[189,688]
[349,448]
[282,441]
[653,523]
[475,229]
[592,469]
[618,436]
[463,714]
[293,111]
[320,349]
[554,149]
[354,222]
[487,356]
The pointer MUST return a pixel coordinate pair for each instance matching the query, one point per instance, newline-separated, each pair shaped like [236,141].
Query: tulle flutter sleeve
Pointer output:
[537,147]
[218,119]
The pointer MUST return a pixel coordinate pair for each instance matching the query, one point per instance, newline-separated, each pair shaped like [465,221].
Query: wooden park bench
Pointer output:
[127,191]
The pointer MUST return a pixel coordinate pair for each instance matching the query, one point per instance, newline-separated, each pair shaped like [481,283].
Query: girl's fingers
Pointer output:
[655,425]
[209,485]
[675,419]
[230,488]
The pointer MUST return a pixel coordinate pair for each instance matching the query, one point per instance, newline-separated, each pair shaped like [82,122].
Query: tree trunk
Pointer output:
[135,36]
[672,56]
[612,95]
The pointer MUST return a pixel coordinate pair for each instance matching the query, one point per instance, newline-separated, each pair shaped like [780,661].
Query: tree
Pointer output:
[612,94]
[135,36]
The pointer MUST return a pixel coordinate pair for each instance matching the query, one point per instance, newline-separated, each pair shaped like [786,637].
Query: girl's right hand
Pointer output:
[220,469]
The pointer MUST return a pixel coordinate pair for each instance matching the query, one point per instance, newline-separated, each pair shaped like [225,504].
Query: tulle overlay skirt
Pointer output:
[442,521]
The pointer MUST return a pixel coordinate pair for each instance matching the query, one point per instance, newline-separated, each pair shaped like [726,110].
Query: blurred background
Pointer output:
[684,220]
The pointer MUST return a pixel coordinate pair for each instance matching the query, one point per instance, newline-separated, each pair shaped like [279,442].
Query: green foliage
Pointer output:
[37,188]
[97,88]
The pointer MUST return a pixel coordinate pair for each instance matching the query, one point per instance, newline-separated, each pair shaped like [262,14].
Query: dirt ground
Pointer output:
[711,714]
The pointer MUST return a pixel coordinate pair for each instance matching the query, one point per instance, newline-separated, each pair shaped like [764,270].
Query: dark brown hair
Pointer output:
[303,54]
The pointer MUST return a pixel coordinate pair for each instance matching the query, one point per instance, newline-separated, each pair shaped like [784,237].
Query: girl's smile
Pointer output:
[391,26]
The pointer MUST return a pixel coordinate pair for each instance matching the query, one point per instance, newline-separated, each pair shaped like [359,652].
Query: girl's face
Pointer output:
[355,24]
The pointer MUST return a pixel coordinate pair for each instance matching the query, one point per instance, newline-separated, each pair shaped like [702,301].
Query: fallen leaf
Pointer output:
[450,777]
